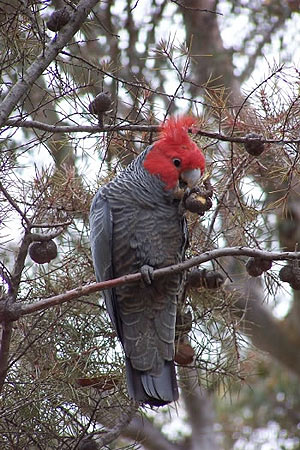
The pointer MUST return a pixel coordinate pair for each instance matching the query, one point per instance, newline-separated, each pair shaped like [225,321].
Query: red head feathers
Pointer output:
[174,154]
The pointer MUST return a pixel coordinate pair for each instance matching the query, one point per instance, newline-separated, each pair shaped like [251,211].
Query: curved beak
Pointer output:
[191,177]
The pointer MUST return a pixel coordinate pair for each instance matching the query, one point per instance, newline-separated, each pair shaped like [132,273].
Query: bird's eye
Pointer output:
[176,162]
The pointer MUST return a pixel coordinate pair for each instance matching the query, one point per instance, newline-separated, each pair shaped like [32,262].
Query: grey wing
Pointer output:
[101,228]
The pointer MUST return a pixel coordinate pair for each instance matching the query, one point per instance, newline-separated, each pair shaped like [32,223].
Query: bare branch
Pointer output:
[200,409]
[50,225]
[189,8]
[115,432]
[79,128]
[5,339]
[46,237]
[93,129]
[18,268]
[142,430]
[8,303]
[23,309]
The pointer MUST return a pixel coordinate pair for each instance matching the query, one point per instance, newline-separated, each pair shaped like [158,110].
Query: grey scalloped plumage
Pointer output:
[136,222]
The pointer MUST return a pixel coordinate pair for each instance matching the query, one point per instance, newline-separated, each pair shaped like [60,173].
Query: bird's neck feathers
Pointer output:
[136,185]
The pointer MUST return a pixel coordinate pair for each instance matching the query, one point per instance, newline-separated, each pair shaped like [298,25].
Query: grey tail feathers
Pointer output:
[153,390]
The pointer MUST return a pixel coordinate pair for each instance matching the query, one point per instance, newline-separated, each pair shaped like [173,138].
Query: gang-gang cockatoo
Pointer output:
[138,226]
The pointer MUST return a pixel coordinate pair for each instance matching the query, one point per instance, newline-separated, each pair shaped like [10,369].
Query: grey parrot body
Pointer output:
[136,222]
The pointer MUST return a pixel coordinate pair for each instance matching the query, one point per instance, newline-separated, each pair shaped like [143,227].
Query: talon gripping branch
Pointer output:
[136,222]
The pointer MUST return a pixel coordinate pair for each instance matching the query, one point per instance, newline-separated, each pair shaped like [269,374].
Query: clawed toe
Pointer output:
[147,275]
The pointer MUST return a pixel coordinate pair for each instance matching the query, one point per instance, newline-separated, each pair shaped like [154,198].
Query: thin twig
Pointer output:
[14,204]
[115,432]
[279,69]
[189,8]
[241,166]
[37,237]
[51,225]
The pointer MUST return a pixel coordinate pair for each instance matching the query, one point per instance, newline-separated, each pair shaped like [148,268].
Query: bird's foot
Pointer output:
[147,275]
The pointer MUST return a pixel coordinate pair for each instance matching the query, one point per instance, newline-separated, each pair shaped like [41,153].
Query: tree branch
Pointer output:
[8,304]
[265,331]
[142,430]
[21,309]
[5,339]
[47,55]
[199,406]
[37,237]
[130,127]
[79,128]
[115,432]
[182,5]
